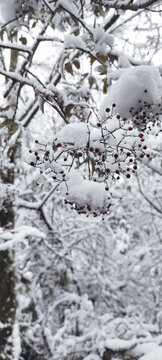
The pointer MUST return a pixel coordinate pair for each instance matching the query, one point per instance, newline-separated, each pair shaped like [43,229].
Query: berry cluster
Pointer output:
[87,210]
[145,114]
[111,152]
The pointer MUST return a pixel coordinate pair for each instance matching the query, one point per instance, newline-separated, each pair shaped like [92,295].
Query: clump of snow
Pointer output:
[86,193]
[69,5]
[135,85]
[75,134]
[102,40]
[120,345]
[145,348]
[101,37]
[73,41]
[92,357]
[153,355]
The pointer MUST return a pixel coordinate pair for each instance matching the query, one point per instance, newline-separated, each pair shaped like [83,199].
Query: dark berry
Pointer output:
[98,125]
[140,136]
[108,110]
[91,149]
[128,176]
[32,163]
[59,144]
[114,105]
[79,154]
[36,141]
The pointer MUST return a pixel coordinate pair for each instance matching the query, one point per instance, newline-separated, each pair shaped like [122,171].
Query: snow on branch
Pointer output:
[127,5]
[40,90]
[85,157]
[64,4]
[11,238]
[17,47]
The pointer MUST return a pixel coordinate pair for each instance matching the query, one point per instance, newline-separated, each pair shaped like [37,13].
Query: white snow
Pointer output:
[119,344]
[153,355]
[75,134]
[7,10]
[141,83]
[73,41]
[16,341]
[101,37]
[86,192]
[69,5]
[18,235]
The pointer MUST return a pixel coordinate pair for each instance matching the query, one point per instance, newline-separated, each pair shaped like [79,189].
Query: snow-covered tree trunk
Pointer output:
[8,301]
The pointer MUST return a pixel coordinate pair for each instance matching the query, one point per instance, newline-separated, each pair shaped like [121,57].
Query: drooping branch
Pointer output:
[119,5]
[16,47]
[38,88]
[76,18]
[27,62]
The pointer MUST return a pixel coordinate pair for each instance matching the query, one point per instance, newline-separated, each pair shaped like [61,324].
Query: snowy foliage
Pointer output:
[80,180]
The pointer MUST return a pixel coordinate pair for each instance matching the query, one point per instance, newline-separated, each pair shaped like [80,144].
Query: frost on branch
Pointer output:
[86,157]
[137,94]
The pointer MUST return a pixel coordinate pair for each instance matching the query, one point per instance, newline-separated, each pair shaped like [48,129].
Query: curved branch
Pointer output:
[118,5]
[38,88]
[76,18]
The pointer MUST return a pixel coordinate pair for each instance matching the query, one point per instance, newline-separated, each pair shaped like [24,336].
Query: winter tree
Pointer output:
[80,185]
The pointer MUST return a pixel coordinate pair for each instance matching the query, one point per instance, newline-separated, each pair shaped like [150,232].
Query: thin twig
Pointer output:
[77,19]
[146,198]
[15,47]
[48,5]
